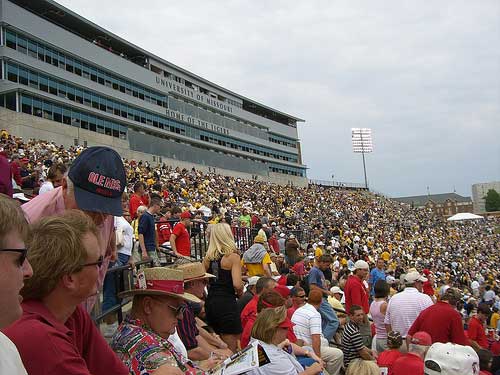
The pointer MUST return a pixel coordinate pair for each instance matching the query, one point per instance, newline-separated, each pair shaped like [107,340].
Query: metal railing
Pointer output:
[338,184]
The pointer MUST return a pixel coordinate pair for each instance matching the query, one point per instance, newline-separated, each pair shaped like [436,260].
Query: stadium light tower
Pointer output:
[362,143]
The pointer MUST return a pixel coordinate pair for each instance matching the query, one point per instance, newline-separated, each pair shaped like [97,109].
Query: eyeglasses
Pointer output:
[178,311]
[304,296]
[98,263]
[22,257]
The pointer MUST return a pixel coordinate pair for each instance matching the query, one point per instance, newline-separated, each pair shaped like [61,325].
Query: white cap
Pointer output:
[292,236]
[264,225]
[320,243]
[336,289]
[361,265]
[451,359]
[282,235]
[390,279]
[414,276]
[20,196]
[253,280]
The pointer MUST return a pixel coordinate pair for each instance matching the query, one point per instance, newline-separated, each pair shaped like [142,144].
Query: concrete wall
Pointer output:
[479,191]
[27,126]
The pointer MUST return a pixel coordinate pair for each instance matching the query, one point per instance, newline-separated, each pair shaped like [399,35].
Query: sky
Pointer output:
[423,75]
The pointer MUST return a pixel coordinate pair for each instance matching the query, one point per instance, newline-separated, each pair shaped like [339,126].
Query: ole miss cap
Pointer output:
[99,179]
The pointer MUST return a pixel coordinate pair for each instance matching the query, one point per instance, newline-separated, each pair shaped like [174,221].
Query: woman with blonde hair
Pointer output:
[362,367]
[270,330]
[223,261]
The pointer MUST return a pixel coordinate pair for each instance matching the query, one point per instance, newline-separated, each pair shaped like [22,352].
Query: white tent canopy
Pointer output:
[464,216]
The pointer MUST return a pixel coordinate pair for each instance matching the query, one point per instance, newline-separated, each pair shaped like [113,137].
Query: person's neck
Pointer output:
[60,305]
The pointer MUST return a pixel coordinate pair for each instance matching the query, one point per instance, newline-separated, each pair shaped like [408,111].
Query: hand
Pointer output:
[315,368]
[221,353]
[145,255]
[313,355]
[283,344]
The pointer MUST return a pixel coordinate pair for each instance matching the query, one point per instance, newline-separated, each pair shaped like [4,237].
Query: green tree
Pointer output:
[492,201]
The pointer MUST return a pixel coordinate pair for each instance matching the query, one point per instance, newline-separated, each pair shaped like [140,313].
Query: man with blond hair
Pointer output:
[56,335]
[94,185]
[14,269]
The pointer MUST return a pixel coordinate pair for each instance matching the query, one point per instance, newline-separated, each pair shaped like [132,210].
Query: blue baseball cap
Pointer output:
[99,180]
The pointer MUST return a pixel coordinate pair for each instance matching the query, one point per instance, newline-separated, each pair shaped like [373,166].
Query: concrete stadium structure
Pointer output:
[65,79]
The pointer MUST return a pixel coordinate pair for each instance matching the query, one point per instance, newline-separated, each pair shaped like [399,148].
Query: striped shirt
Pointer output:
[352,342]
[404,308]
[307,322]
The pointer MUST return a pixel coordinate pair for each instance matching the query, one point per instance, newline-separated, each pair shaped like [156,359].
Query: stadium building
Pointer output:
[68,80]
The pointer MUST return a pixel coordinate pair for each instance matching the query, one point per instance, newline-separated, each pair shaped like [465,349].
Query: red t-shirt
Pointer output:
[428,289]
[182,242]
[408,364]
[76,347]
[355,294]
[134,203]
[299,268]
[476,332]
[164,231]
[442,322]
[386,359]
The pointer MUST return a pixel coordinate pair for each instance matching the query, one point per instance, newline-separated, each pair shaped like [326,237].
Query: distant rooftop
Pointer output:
[421,200]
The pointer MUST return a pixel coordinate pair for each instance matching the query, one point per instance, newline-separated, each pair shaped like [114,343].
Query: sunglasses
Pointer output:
[178,311]
[304,296]
[22,257]
[98,263]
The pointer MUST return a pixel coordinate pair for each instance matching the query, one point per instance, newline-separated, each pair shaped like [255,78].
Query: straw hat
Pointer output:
[259,239]
[161,281]
[194,271]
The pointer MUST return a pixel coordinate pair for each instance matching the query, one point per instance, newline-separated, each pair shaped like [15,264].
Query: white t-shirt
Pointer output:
[10,361]
[128,235]
[281,362]
[46,187]
[307,322]
[176,341]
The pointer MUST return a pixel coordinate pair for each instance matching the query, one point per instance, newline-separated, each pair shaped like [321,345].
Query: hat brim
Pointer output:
[97,203]
[185,296]
[205,276]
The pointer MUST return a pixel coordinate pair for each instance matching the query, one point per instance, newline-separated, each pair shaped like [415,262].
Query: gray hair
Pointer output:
[418,349]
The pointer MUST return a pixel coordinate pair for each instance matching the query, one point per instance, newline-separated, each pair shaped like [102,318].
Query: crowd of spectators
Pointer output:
[332,281]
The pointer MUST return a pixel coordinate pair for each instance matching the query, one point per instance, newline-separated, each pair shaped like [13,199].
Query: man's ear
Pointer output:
[69,282]
[64,184]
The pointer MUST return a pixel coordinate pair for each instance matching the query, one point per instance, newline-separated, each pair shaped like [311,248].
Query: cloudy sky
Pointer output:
[424,75]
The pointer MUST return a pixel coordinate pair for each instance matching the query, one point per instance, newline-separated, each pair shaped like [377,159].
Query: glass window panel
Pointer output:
[44,83]
[22,45]
[12,72]
[47,110]
[33,78]
[57,113]
[26,104]
[11,39]
[32,49]
[37,107]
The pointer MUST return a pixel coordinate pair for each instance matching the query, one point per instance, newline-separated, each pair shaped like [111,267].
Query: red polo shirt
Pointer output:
[182,242]
[47,346]
[442,322]
[250,310]
[476,332]
[355,294]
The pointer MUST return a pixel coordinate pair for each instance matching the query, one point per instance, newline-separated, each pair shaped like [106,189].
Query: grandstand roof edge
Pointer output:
[185,71]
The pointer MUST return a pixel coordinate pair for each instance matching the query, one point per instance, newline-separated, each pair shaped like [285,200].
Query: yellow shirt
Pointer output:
[495,317]
[257,269]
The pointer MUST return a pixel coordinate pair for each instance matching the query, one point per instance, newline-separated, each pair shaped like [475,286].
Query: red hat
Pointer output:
[421,338]
[186,215]
[287,323]
[25,160]
[282,290]
[426,272]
